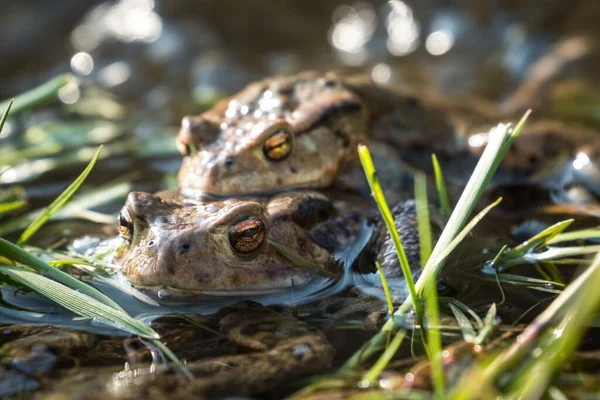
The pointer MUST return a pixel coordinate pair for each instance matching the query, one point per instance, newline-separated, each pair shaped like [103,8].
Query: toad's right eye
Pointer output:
[125,224]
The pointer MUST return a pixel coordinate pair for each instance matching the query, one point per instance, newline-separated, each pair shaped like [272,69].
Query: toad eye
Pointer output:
[125,224]
[278,146]
[247,234]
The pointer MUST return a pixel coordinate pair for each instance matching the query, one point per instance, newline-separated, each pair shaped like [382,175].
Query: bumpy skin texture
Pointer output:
[186,246]
[325,116]
[324,120]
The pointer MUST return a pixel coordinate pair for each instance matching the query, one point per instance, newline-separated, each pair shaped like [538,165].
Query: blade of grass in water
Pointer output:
[371,376]
[5,113]
[466,327]
[441,187]
[424,226]
[500,139]
[11,206]
[78,303]
[377,192]
[434,339]
[173,357]
[89,307]
[17,254]
[463,233]
[582,292]
[583,234]
[59,202]
[40,94]
[386,288]
[122,286]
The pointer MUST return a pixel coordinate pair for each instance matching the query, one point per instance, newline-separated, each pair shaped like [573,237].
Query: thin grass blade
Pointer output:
[434,339]
[423,220]
[15,253]
[466,327]
[371,376]
[59,202]
[464,232]
[441,187]
[386,288]
[5,113]
[78,302]
[500,139]
[39,95]
[583,234]
[11,206]
[377,192]
[489,323]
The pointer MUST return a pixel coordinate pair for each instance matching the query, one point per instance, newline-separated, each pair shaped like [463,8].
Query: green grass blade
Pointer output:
[465,309]
[558,344]
[59,202]
[5,113]
[11,206]
[464,232]
[466,327]
[377,368]
[17,254]
[579,295]
[40,94]
[500,139]
[423,220]
[377,192]
[552,253]
[541,239]
[79,303]
[173,358]
[386,288]
[583,234]
[75,208]
[434,339]
[441,187]
[488,325]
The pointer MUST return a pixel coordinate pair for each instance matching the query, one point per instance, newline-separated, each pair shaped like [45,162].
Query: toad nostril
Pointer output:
[184,248]
[229,162]
[151,243]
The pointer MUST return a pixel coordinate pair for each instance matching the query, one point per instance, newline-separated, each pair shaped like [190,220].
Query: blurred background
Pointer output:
[154,50]
[143,64]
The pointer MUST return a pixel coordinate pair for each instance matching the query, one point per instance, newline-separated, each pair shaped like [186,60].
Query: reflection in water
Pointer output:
[439,42]
[353,28]
[82,63]
[69,94]
[126,21]
[114,74]
[402,28]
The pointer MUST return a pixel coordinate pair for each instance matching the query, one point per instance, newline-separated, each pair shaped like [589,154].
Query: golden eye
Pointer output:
[125,224]
[247,234]
[278,146]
